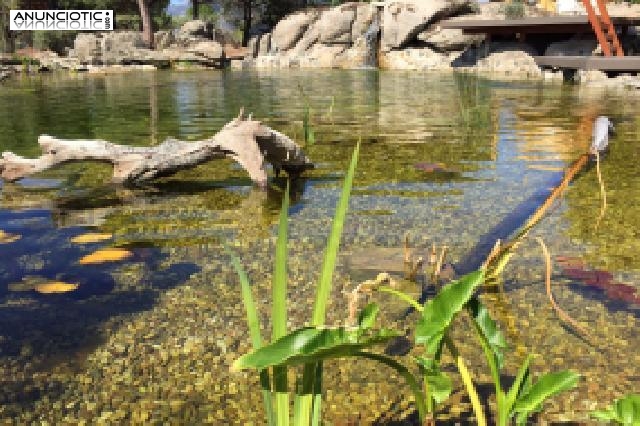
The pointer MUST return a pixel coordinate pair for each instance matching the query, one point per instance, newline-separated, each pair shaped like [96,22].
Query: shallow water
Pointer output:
[446,159]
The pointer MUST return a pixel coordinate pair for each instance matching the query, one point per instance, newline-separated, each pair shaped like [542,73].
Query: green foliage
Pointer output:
[624,411]
[513,10]
[487,328]
[439,312]
[532,397]
[313,344]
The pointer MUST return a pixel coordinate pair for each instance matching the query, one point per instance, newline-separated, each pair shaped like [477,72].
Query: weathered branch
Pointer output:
[248,142]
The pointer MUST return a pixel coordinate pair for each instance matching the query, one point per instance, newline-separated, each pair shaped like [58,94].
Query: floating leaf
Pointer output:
[53,287]
[625,411]
[90,238]
[6,238]
[311,344]
[106,255]
[439,312]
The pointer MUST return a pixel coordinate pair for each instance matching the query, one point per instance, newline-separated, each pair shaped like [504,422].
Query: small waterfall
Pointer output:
[372,41]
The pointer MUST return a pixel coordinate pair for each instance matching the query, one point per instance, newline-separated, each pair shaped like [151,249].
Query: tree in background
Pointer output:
[147,23]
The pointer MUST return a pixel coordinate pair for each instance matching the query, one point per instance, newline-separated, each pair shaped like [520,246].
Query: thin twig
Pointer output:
[603,191]
[561,313]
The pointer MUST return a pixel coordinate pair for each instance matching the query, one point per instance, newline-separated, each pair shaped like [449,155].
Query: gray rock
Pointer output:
[265,45]
[208,49]
[196,29]
[448,39]
[334,25]
[290,29]
[404,20]
[365,13]
[163,39]
[254,46]
[573,47]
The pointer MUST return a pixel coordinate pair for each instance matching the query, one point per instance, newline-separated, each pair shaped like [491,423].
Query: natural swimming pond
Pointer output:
[448,159]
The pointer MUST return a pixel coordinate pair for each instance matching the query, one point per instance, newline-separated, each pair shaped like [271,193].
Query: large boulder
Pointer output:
[573,47]
[196,29]
[290,29]
[365,14]
[208,49]
[404,20]
[265,45]
[109,48]
[163,39]
[448,39]
[415,59]
[334,25]
[510,63]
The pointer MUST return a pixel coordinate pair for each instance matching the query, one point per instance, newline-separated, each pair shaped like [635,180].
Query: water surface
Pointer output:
[445,159]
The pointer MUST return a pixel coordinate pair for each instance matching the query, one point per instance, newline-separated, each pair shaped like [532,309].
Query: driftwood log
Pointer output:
[249,142]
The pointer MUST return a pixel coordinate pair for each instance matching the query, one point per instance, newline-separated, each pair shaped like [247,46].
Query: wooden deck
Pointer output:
[536,25]
[601,63]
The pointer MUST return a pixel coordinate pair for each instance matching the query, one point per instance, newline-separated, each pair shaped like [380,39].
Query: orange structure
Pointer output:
[603,28]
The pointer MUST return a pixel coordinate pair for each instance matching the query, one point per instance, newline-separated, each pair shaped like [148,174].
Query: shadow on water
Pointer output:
[47,332]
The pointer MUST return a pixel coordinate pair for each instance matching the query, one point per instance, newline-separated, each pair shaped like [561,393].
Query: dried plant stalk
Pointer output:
[603,191]
[561,313]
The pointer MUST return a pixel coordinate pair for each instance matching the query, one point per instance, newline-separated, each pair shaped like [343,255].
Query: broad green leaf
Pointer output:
[311,344]
[333,245]
[367,316]
[439,312]
[625,411]
[438,383]
[489,329]
[548,385]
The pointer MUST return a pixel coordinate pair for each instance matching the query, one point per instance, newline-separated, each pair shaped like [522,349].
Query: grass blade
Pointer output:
[311,395]
[279,310]
[333,244]
[254,331]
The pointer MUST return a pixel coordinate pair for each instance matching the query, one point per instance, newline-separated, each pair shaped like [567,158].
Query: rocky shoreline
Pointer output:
[405,35]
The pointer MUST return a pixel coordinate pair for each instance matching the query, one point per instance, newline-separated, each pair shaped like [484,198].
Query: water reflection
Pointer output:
[452,159]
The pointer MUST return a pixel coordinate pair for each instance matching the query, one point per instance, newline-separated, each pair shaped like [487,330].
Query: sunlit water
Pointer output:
[444,159]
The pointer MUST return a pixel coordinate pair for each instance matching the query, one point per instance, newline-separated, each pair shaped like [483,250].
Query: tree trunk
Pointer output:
[246,9]
[248,142]
[194,8]
[147,22]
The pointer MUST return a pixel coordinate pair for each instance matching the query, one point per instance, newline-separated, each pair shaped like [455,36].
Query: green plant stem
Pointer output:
[468,382]
[311,392]
[406,374]
[317,396]
[403,296]
[495,374]
[254,331]
[279,311]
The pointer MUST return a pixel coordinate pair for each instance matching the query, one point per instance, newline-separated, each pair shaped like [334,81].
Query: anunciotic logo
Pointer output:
[61,20]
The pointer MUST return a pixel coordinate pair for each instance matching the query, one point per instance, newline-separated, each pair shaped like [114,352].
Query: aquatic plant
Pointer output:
[624,411]
[312,344]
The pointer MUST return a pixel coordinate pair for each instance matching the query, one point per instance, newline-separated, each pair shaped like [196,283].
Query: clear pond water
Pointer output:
[445,159]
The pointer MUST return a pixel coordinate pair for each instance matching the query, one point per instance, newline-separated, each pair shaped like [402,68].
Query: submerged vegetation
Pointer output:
[310,346]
